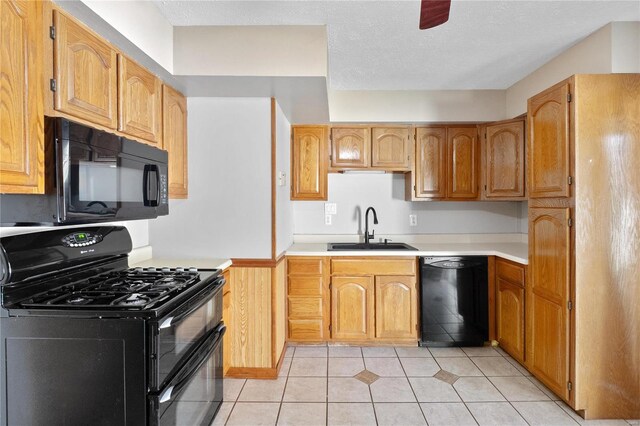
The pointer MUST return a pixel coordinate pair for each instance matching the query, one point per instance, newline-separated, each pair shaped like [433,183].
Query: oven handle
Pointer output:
[199,359]
[188,310]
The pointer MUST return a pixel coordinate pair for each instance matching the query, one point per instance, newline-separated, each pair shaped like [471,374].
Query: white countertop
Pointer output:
[517,252]
[173,263]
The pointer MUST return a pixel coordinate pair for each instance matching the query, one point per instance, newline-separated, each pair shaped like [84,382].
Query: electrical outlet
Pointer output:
[330,208]
[327,219]
[413,220]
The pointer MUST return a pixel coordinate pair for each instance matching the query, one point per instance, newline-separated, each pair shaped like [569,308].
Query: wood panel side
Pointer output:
[251,317]
[607,245]
[279,310]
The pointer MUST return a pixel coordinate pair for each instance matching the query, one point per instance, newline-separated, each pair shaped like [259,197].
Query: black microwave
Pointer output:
[92,176]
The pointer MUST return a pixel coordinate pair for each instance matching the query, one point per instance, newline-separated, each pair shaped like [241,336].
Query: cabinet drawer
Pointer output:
[379,266]
[509,271]
[305,286]
[305,266]
[307,329]
[305,307]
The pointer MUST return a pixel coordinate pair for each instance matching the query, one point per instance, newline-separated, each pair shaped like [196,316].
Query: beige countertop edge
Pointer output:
[516,252]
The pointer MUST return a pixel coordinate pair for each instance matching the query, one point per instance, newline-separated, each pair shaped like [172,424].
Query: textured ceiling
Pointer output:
[376,45]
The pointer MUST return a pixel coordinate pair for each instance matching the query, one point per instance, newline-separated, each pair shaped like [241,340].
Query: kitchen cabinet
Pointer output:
[503,165]
[510,303]
[582,286]
[396,307]
[548,296]
[174,140]
[374,299]
[86,74]
[307,299]
[390,148]
[139,102]
[21,98]
[462,163]
[350,147]
[549,146]
[431,162]
[352,308]
[309,163]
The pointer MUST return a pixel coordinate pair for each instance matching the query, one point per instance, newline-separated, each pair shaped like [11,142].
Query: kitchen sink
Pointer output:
[369,246]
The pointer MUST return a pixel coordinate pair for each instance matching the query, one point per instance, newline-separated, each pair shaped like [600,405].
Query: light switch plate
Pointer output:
[330,208]
[327,219]
[282,178]
[413,220]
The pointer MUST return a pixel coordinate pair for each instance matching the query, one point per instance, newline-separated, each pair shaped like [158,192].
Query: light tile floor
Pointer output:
[317,387]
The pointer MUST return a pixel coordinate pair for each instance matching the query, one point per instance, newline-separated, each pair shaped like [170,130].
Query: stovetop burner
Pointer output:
[129,289]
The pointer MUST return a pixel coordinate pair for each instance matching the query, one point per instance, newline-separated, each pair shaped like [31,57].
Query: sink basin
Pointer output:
[370,246]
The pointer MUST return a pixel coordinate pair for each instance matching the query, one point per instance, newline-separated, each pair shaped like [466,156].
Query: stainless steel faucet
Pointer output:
[368,236]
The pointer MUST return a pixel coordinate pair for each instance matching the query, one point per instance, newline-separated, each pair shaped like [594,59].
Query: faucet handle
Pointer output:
[386,240]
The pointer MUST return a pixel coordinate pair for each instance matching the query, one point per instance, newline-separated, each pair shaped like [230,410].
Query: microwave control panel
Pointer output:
[164,189]
[81,239]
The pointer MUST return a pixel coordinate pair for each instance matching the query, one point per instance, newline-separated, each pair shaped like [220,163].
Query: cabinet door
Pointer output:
[510,318]
[85,67]
[390,148]
[139,102]
[549,144]
[395,309]
[431,162]
[504,154]
[352,308]
[21,98]
[174,140]
[548,289]
[350,147]
[462,164]
[309,163]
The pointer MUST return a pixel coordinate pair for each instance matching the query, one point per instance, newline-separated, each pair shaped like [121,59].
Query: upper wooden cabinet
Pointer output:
[431,162]
[510,281]
[396,307]
[174,140]
[504,167]
[462,165]
[352,308]
[139,102]
[21,98]
[350,147]
[548,294]
[390,148]
[309,163]
[549,143]
[85,69]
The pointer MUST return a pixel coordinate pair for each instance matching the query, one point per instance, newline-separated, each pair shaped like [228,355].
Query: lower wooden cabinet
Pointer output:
[352,308]
[396,307]
[510,302]
[307,299]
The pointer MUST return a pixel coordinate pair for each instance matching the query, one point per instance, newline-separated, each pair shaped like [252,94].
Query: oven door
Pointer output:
[193,396]
[176,335]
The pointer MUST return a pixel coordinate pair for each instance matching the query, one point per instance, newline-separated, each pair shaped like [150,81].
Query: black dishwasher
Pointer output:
[454,301]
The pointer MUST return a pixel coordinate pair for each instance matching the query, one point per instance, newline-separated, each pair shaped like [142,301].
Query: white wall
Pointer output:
[593,55]
[625,55]
[142,23]
[353,193]
[284,205]
[286,50]
[416,106]
[139,230]
[228,212]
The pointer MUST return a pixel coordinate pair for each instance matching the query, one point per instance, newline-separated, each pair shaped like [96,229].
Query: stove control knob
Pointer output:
[179,269]
[166,269]
[151,269]
[193,269]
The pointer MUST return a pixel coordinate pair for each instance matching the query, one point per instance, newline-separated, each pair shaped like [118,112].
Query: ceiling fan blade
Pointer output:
[434,13]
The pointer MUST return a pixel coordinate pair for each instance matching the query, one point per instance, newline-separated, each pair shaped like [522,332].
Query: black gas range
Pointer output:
[88,340]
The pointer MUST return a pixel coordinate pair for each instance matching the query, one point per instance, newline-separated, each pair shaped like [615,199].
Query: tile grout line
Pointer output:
[284,390]
[326,394]
[234,402]
[411,387]
[373,407]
